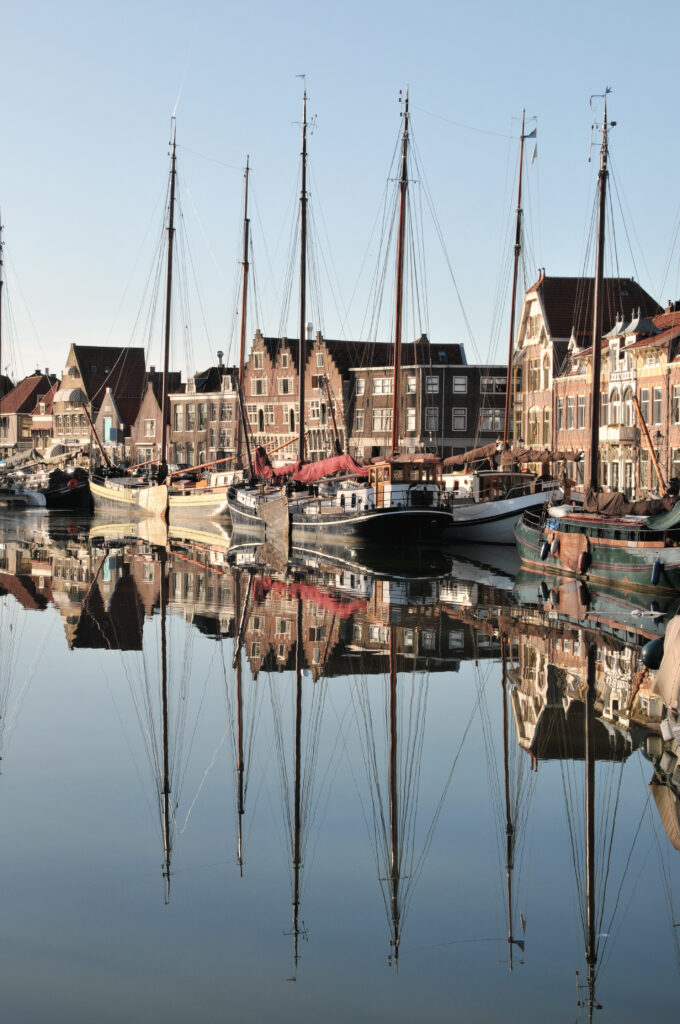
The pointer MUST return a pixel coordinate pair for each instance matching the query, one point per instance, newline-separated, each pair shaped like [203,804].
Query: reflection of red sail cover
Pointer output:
[306,592]
[305,472]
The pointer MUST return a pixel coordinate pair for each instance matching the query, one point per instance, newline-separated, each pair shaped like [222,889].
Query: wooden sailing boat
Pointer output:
[492,500]
[401,498]
[629,550]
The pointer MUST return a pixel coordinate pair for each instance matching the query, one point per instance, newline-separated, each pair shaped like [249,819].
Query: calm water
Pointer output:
[229,794]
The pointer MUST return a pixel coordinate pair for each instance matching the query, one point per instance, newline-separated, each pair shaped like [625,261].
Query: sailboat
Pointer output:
[400,498]
[486,504]
[635,551]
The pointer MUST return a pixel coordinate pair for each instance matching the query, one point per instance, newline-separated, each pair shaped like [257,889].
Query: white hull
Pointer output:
[492,522]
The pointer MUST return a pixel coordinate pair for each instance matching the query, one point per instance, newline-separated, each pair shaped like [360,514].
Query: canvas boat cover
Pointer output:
[487,451]
[305,472]
[667,679]
[665,520]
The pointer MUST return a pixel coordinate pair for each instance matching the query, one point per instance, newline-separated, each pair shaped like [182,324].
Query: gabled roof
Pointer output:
[23,398]
[354,354]
[568,304]
[47,399]
[121,369]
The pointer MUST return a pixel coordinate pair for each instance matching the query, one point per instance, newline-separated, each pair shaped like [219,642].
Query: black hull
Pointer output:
[412,525]
[69,499]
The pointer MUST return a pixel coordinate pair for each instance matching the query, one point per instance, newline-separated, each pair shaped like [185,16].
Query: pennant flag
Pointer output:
[531,135]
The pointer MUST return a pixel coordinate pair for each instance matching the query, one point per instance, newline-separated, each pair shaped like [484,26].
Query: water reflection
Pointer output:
[343,647]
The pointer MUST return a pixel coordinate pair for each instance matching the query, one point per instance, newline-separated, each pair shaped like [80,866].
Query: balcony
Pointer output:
[617,434]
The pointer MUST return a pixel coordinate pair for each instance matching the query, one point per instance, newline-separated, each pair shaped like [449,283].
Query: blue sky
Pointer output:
[89,88]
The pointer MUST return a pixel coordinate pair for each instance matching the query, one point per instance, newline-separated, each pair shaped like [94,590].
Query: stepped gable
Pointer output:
[568,304]
[25,396]
[121,369]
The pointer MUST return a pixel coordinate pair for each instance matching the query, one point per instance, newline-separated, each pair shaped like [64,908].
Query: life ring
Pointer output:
[545,550]
[72,484]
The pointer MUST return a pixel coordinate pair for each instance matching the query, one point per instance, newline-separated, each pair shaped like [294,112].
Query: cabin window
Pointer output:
[431,419]
[410,385]
[432,385]
[656,406]
[459,420]
[460,385]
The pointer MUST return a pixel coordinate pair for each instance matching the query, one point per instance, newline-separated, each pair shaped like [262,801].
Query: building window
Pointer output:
[361,385]
[410,385]
[604,409]
[431,419]
[432,385]
[284,360]
[546,425]
[359,417]
[149,428]
[459,421]
[675,462]
[382,385]
[644,404]
[656,406]
[258,386]
[258,360]
[491,420]
[410,421]
[314,409]
[676,403]
[581,412]
[202,415]
[319,358]
[570,412]
[493,385]
[533,425]
[560,414]
[534,374]
[179,418]
[190,453]
[628,411]
[546,373]
[285,387]
[460,385]
[191,417]
[212,434]
[179,453]
[213,411]
[382,421]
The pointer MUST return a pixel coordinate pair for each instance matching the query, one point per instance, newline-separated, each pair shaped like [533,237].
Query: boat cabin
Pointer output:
[490,485]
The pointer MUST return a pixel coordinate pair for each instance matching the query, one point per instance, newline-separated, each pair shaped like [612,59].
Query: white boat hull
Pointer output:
[492,522]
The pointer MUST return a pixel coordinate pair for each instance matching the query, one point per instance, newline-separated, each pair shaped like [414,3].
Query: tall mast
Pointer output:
[2,281]
[297,813]
[168,301]
[509,827]
[303,277]
[513,299]
[244,312]
[395,860]
[399,303]
[591,946]
[597,309]
[166,809]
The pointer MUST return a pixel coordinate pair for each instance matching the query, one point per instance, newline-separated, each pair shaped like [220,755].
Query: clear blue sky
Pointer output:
[88,89]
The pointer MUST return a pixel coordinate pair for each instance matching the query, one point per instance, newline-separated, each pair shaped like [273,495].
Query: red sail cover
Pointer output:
[306,472]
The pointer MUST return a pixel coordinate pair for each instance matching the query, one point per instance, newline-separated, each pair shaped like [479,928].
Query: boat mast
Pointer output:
[297,813]
[303,278]
[591,946]
[399,303]
[395,860]
[513,299]
[162,462]
[242,435]
[597,309]
[2,281]
[509,827]
[166,809]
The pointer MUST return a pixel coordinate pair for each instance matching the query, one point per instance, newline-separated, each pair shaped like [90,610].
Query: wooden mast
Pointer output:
[166,808]
[162,462]
[2,281]
[509,827]
[242,428]
[297,812]
[303,278]
[591,944]
[602,177]
[513,298]
[395,860]
[399,302]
